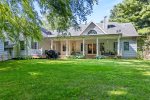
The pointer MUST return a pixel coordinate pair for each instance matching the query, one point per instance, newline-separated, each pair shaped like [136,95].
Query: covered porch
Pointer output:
[90,47]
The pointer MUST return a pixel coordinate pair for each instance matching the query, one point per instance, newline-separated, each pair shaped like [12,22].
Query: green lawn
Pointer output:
[75,79]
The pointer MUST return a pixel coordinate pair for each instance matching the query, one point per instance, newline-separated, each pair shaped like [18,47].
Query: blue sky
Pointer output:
[102,9]
[99,11]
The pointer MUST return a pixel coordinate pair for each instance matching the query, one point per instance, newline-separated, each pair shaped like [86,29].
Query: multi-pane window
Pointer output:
[102,49]
[115,46]
[126,46]
[94,48]
[81,46]
[5,44]
[92,32]
[91,48]
[64,47]
[22,45]
[34,45]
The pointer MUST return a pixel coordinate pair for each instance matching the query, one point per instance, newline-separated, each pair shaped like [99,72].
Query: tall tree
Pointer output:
[20,16]
[136,11]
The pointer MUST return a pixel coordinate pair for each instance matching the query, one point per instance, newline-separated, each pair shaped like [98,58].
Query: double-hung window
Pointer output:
[126,46]
[22,45]
[34,45]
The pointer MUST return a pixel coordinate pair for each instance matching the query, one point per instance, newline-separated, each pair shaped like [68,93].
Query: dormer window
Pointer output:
[91,32]
[111,26]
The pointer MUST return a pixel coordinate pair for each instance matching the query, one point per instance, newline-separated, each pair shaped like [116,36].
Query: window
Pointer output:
[126,46]
[34,45]
[102,49]
[22,45]
[91,32]
[73,47]
[5,44]
[81,46]
[91,48]
[64,47]
[111,26]
[94,48]
[115,46]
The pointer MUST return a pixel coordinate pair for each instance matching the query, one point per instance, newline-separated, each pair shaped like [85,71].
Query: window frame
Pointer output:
[81,47]
[115,46]
[128,46]
[5,44]
[91,48]
[34,45]
[92,32]
[64,47]
[22,46]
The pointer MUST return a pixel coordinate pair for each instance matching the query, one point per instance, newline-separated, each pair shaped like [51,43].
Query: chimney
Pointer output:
[105,22]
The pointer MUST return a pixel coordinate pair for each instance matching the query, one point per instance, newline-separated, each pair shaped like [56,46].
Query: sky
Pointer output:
[102,9]
[99,11]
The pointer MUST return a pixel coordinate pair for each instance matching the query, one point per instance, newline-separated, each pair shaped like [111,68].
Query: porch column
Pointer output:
[66,47]
[83,46]
[69,47]
[97,47]
[51,44]
[118,47]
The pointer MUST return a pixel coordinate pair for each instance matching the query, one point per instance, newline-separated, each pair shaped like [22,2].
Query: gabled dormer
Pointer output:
[93,29]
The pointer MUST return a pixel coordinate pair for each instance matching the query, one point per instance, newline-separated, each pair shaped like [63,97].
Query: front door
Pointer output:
[91,48]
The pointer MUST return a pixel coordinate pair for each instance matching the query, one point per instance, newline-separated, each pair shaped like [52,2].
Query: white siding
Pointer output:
[1,49]
[3,54]
[132,53]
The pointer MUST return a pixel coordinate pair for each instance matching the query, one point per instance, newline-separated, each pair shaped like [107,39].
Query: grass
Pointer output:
[75,79]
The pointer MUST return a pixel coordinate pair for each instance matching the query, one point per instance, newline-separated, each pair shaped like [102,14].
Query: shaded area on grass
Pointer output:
[75,79]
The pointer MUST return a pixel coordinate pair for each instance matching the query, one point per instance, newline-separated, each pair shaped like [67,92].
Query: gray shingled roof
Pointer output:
[126,29]
[45,32]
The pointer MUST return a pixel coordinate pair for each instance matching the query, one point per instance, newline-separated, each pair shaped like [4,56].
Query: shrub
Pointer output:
[100,57]
[77,56]
[24,57]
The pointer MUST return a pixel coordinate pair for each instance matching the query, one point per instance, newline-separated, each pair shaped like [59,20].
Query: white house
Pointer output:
[92,39]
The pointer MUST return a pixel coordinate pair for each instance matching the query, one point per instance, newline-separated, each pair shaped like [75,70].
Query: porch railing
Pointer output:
[36,51]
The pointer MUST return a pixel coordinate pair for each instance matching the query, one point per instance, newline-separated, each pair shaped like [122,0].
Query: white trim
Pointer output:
[97,46]
[118,48]
[83,47]
[66,47]
[51,44]
[69,47]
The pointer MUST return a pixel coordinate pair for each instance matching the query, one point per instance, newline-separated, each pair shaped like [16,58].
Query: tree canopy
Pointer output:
[21,16]
[136,11]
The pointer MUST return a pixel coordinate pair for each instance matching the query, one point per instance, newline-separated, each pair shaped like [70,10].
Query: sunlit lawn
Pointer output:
[75,79]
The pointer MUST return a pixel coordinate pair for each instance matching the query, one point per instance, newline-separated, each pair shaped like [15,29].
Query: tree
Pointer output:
[136,11]
[20,16]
